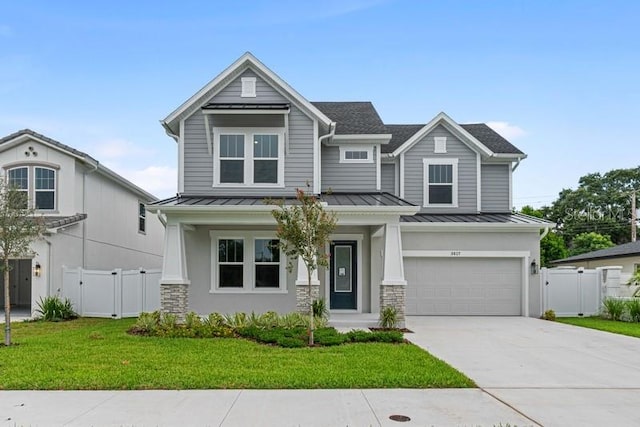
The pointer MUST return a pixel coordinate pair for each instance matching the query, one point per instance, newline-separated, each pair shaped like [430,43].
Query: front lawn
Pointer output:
[617,327]
[98,354]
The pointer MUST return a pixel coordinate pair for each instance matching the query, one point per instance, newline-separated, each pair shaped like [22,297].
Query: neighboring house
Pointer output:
[94,218]
[626,256]
[424,211]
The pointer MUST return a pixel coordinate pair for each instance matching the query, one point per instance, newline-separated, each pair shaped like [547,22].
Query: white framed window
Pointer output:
[142,218]
[248,87]
[440,182]
[247,262]
[440,144]
[355,154]
[248,157]
[18,178]
[38,183]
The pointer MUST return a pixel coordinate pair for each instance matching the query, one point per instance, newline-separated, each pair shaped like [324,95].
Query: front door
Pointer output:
[343,275]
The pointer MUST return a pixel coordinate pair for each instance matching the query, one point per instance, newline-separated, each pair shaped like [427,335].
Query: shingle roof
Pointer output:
[624,250]
[47,139]
[61,221]
[353,117]
[399,134]
[492,139]
[379,199]
[498,218]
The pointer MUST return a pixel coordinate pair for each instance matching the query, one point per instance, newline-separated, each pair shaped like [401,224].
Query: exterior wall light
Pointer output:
[37,269]
[534,267]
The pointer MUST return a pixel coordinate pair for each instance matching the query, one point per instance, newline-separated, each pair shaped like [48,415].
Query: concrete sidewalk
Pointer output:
[440,407]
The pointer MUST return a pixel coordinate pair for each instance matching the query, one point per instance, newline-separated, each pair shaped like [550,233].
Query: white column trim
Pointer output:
[174,263]
[402,175]
[376,149]
[181,158]
[393,269]
[301,277]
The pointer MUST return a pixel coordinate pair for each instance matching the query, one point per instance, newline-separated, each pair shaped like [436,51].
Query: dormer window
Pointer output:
[350,154]
[244,157]
[248,87]
[38,183]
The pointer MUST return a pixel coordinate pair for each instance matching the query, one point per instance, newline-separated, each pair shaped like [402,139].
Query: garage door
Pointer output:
[463,286]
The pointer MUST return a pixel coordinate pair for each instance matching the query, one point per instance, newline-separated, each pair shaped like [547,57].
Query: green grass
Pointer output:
[617,327]
[94,354]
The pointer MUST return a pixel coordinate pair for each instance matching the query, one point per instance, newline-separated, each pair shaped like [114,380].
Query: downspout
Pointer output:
[516,165]
[84,211]
[332,132]
[544,233]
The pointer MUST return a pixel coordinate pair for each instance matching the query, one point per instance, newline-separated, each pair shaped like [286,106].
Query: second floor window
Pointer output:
[440,182]
[249,158]
[38,183]
[142,218]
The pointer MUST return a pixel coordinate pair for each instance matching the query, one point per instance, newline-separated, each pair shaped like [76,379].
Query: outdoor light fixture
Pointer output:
[37,270]
[534,267]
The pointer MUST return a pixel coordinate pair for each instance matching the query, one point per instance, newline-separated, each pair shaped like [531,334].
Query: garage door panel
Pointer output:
[463,286]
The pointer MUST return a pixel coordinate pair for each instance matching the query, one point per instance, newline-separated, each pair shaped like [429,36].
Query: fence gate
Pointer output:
[571,292]
[113,293]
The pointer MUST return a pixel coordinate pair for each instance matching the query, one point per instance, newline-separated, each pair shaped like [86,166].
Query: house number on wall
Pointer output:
[456,253]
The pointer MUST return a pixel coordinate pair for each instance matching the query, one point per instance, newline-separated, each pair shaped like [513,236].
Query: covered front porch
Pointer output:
[365,272]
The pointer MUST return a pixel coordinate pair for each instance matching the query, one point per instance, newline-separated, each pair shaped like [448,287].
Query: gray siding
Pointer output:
[495,188]
[388,178]
[338,176]
[467,174]
[198,163]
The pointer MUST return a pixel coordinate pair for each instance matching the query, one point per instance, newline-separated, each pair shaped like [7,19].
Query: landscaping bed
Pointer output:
[95,354]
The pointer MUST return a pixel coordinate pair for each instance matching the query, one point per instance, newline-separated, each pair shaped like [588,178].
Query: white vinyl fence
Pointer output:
[116,293]
[577,291]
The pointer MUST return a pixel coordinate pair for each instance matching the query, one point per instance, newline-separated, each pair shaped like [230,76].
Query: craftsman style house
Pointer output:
[95,219]
[424,211]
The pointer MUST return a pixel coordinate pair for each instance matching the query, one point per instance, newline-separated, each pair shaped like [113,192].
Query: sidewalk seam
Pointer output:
[512,407]
[230,408]
[370,407]
[113,394]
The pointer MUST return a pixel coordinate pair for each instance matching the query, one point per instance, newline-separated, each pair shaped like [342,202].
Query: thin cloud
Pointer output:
[507,130]
[157,180]
[115,149]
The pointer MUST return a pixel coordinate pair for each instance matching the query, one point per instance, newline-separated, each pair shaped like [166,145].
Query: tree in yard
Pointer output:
[18,229]
[304,229]
[589,242]
[552,246]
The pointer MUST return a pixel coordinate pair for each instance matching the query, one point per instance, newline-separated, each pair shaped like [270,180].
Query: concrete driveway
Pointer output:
[554,374]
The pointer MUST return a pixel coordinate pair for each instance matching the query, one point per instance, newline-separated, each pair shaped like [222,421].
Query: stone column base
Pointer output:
[302,297]
[174,299]
[394,296]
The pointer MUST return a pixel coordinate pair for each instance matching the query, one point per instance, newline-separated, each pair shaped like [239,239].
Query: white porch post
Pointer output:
[174,281]
[393,285]
[302,287]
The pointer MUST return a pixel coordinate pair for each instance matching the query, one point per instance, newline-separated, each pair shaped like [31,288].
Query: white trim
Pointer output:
[364,137]
[426,162]
[378,168]
[359,238]
[248,275]
[245,61]
[442,118]
[248,158]
[478,183]
[440,144]
[396,178]
[316,158]
[181,159]
[284,112]
[510,188]
[248,87]
[351,148]
[286,134]
[401,184]
[207,132]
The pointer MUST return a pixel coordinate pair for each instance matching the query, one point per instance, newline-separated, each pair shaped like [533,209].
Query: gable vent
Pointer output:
[248,87]
[440,144]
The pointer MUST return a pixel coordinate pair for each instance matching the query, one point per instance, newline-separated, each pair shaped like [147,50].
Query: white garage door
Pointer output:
[464,286]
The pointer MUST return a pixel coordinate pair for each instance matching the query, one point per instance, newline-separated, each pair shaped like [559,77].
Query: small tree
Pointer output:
[589,242]
[304,230]
[18,229]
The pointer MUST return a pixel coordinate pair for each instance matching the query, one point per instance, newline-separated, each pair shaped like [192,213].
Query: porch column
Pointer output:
[174,283]
[302,288]
[393,285]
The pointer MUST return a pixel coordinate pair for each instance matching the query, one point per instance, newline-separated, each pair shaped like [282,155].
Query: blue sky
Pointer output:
[560,79]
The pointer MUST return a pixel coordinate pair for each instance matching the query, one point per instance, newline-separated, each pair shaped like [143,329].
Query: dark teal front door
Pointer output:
[343,275]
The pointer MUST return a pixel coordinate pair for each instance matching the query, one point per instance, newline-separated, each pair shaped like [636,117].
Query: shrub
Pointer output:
[549,315]
[320,309]
[633,308]
[614,308]
[387,336]
[388,317]
[147,323]
[236,320]
[53,309]
[329,337]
